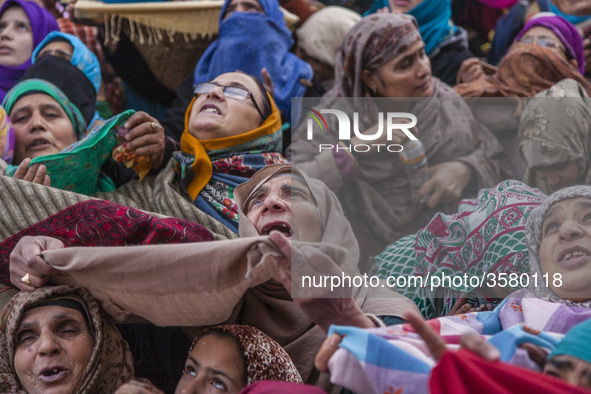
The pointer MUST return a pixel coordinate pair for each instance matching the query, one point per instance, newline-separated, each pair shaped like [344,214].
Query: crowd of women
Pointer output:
[207,240]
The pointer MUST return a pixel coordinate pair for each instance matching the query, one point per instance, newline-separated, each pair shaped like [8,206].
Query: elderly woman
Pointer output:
[252,36]
[554,138]
[550,45]
[23,25]
[383,56]
[247,285]
[50,134]
[558,298]
[575,12]
[56,339]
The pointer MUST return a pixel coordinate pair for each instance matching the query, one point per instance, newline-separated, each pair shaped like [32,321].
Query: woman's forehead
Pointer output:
[569,204]
[34,99]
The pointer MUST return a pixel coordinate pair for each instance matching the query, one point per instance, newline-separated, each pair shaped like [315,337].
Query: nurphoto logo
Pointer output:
[393,120]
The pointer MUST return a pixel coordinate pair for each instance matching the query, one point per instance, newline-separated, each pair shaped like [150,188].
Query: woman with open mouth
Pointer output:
[56,340]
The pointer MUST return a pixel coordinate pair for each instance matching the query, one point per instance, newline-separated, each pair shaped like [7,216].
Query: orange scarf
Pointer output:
[202,168]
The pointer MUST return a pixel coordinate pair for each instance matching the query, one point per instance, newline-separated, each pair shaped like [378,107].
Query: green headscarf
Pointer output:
[33,86]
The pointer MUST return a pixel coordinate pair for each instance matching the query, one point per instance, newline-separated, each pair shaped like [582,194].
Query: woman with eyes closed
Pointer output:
[383,57]
[23,25]
[56,340]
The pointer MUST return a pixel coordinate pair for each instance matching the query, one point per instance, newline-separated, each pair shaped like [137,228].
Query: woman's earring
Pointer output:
[373,91]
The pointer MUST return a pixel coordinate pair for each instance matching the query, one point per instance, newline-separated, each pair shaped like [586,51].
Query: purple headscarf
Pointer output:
[42,22]
[566,32]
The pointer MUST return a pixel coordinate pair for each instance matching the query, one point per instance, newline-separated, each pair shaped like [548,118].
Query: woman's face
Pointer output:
[285,204]
[570,369]
[565,250]
[41,127]
[403,6]
[16,37]
[574,7]
[215,365]
[544,37]
[407,75]
[215,116]
[53,348]
[559,176]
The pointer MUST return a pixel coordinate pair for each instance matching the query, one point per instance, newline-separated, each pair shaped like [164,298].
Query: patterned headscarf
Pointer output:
[533,237]
[554,129]
[42,22]
[265,359]
[32,86]
[564,30]
[110,363]
[370,44]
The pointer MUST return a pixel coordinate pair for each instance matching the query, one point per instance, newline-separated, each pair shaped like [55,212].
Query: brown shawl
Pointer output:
[525,70]
[110,364]
[225,281]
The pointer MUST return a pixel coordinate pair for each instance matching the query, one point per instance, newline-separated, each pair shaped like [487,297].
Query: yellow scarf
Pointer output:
[202,168]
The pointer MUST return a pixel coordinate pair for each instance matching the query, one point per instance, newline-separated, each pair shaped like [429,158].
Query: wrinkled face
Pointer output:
[285,204]
[570,369]
[544,37]
[407,75]
[53,348]
[559,176]
[243,6]
[41,127]
[215,116]
[565,250]
[215,365]
[574,7]
[323,71]
[403,6]
[63,50]
[16,37]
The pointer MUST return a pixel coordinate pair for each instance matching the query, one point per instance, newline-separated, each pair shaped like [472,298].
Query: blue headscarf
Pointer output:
[576,342]
[571,18]
[433,17]
[83,58]
[250,41]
